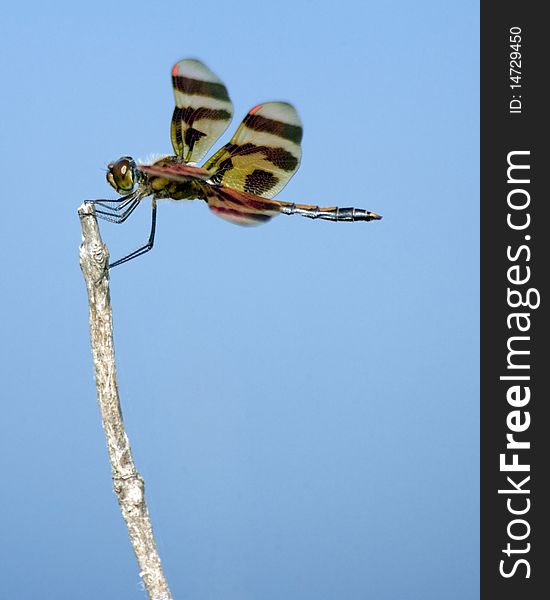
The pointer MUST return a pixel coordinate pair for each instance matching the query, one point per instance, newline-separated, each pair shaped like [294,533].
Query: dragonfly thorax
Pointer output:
[122,174]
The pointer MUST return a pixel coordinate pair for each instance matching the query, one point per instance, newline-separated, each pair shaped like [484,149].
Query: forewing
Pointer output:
[239,207]
[263,154]
[174,171]
[203,109]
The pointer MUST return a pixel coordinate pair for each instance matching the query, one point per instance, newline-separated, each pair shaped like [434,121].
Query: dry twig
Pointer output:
[128,483]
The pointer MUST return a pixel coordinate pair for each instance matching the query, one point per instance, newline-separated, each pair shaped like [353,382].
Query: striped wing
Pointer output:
[263,154]
[203,109]
[239,207]
[174,171]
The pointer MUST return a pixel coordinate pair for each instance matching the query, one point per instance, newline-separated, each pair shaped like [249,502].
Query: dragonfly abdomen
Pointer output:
[332,213]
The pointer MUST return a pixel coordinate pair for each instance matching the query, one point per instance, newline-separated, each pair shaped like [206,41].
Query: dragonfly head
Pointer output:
[122,174]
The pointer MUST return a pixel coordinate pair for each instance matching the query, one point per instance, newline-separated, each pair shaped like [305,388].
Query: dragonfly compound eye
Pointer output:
[121,175]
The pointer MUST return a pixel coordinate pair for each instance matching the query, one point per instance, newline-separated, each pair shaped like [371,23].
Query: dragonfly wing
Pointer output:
[203,109]
[174,171]
[263,154]
[239,207]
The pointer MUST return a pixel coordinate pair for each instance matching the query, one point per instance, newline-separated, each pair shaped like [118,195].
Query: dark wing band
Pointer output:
[263,154]
[203,109]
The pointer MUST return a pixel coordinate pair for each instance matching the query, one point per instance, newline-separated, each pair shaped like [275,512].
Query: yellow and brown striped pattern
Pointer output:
[203,109]
[263,154]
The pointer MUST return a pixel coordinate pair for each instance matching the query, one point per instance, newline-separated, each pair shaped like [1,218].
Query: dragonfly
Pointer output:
[240,180]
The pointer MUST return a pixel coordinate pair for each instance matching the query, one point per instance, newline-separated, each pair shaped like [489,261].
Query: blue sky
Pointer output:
[302,397]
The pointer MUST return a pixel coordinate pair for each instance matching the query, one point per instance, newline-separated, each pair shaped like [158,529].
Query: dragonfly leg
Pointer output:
[117,204]
[123,208]
[149,243]
[115,217]
[333,213]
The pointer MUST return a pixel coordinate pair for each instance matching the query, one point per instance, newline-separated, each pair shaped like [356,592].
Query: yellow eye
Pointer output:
[121,175]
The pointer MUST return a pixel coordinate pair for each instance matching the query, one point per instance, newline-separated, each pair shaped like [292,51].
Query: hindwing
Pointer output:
[263,154]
